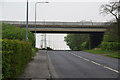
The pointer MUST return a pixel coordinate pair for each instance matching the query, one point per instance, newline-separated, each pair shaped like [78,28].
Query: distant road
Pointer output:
[78,64]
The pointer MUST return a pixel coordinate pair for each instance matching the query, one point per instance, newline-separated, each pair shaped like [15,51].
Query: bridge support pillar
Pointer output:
[95,39]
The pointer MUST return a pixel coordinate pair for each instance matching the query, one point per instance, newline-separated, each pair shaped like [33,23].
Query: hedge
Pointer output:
[14,32]
[110,46]
[15,55]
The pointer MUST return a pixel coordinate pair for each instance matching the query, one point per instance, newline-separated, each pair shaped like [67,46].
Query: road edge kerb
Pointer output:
[51,69]
[47,61]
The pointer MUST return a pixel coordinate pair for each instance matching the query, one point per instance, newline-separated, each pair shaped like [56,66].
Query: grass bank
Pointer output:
[112,54]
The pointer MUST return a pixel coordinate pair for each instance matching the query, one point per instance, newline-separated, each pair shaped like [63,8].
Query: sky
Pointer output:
[54,41]
[55,10]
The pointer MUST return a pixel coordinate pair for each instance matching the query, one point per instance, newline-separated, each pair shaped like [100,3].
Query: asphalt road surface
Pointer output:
[79,64]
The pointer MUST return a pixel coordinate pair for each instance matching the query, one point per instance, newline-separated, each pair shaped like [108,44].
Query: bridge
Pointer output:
[95,29]
[62,27]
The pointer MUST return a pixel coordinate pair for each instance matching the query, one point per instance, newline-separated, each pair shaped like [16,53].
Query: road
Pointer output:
[79,64]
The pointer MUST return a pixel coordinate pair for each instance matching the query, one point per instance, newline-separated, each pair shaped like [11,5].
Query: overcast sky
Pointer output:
[64,10]
[55,10]
[55,41]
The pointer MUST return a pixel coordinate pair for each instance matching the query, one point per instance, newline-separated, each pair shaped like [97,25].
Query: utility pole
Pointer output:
[41,45]
[27,22]
[36,14]
[90,41]
[49,41]
[53,44]
[45,42]
[42,40]
[45,38]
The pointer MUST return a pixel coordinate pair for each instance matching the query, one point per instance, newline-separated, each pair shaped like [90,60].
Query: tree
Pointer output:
[112,8]
[74,41]
[112,34]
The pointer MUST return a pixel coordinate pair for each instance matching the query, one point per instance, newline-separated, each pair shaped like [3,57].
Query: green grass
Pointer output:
[34,51]
[115,55]
[99,51]
[106,53]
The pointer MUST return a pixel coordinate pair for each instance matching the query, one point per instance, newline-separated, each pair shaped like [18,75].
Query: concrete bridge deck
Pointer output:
[63,27]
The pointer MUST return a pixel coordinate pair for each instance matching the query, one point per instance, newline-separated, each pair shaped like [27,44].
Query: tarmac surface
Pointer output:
[71,65]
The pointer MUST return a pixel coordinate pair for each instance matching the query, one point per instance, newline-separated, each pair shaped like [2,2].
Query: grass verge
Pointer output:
[34,51]
[112,54]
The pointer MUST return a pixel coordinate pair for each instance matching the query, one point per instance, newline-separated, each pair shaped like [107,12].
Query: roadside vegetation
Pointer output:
[16,33]
[34,50]
[48,48]
[113,54]
[12,32]
[0,51]
[77,41]
[15,55]
[110,44]
[0,62]
[16,52]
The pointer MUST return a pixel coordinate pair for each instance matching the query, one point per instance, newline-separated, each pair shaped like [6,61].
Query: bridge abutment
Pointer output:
[95,39]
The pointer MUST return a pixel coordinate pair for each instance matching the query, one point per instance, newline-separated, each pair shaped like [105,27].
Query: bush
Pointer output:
[110,46]
[85,45]
[13,32]
[74,41]
[48,48]
[34,50]
[15,55]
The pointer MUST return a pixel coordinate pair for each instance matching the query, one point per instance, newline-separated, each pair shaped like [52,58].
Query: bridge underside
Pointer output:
[66,30]
[95,37]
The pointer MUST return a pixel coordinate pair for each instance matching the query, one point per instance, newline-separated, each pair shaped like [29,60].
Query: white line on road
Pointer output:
[111,69]
[95,63]
[80,57]
[86,59]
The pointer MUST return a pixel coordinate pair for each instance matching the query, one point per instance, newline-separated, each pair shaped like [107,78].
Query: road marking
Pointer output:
[95,63]
[111,69]
[86,59]
[80,57]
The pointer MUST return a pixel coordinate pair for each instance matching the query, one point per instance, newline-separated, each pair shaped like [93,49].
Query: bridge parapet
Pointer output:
[58,23]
